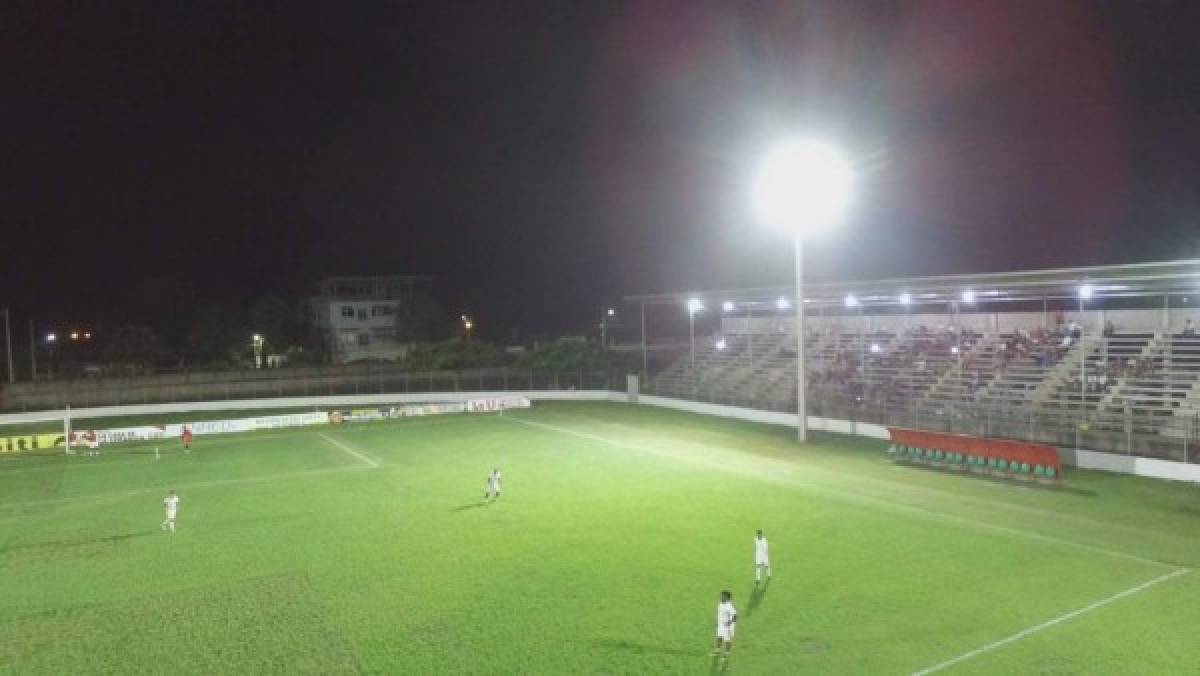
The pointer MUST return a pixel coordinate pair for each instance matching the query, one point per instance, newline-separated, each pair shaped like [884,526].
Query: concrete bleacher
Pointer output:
[1124,383]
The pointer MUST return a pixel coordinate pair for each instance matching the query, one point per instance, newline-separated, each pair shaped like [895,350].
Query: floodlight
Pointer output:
[50,337]
[74,335]
[721,344]
[968,296]
[257,338]
[851,301]
[782,303]
[1086,291]
[695,305]
[905,298]
[875,348]
[87,335]
[612,312]
[468,324]
[953,349]
[727,306]
[803,185]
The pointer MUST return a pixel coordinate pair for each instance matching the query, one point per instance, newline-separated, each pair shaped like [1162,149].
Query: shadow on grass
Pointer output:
[472,505]
[638,648]
[106,539]
[755,599]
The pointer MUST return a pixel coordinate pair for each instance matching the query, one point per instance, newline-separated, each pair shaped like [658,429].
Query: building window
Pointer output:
[364,339]
[348,311]
[362,314]
[382,311]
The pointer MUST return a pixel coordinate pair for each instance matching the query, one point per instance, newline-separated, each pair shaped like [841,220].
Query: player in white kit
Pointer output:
[762,558]
[171,505]
[493,485]
[726,624]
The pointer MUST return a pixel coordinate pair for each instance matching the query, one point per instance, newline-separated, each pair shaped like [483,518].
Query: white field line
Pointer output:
[367,460]
[1050,623]
[857,497]
[102,497]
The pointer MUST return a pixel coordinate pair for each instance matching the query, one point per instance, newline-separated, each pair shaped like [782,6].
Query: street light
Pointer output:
[51,337]
[467,325]
[802,187]
[608,314]
[694,305]
[257,343]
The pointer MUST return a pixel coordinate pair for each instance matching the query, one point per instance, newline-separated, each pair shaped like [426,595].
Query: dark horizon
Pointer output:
[540,160]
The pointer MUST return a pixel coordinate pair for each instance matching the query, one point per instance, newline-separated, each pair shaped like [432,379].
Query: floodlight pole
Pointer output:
[692,336]
[645,359]
[12,377]
[32,353]
[801,364]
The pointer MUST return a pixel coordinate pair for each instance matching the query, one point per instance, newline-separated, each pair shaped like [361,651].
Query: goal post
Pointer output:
[50,432]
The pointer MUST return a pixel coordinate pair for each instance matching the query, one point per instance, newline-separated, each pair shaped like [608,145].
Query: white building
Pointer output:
[358,314]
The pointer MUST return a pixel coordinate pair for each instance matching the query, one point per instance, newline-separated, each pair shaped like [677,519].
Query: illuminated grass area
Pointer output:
[366,549]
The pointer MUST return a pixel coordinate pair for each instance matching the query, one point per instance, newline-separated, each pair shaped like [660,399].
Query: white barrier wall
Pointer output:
[1147,467]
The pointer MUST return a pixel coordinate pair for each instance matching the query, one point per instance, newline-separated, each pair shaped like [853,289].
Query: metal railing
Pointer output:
[1165,434]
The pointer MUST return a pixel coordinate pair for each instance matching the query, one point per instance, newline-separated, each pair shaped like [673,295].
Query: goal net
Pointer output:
[36,434]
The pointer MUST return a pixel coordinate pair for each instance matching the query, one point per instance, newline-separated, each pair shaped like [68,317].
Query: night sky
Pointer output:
[542,158]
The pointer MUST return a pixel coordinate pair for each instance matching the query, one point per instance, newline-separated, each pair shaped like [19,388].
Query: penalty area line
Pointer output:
[369,461]
[1050,623]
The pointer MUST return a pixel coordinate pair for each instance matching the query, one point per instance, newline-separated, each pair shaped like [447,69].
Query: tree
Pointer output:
[420,320]
[278,322]
[134,348]
[215,335]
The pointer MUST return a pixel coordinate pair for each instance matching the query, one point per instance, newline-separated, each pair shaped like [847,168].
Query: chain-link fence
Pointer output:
[1163,434]
[283,383]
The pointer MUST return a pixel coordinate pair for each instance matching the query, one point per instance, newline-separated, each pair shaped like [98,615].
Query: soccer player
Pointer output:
[93,442]
[171,505]
[726,623]
[187,438]
[493,485]
[762,558]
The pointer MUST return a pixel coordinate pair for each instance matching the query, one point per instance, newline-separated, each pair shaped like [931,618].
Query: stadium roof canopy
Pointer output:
[1139,280]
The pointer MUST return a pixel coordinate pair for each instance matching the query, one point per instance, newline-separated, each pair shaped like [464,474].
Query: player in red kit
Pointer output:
[187,438]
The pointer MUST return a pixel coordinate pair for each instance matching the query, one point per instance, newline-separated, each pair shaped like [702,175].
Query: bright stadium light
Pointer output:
[727,306]
[1086,291]
[612,312]
[87,335]
[803,185]
[51,337]
[74,335]
[875,348]
[953,349]
[721,344]
[850,300]
[782,304]
[905,298]
[695,305]
[968,296]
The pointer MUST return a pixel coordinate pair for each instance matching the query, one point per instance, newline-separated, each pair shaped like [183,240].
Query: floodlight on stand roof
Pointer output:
[51,337]
[1086,290]
[968,296]
[695,305]
[803,185]
[727,306]
[721,344]
[850,300]
[782,304]
[611,312]
[905,298]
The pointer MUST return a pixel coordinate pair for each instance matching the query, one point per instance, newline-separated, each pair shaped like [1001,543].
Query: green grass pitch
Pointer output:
[365,548]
